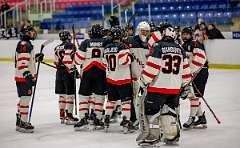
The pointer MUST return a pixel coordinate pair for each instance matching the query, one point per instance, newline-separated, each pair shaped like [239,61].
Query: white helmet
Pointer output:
[170,32]
[143,26]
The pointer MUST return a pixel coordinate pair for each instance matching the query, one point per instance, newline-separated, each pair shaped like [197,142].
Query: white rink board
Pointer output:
[221,93]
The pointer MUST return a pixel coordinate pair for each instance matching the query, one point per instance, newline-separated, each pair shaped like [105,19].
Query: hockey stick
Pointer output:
[34,89]
[49,65]
[75,74]
[204,100]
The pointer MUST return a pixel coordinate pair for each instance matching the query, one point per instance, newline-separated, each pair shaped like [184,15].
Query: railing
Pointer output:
[21,11]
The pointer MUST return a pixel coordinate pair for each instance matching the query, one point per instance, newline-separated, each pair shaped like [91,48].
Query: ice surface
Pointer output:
[221,93]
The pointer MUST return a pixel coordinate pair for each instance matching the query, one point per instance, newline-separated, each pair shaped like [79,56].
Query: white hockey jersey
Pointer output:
[167,69]
[118,64]
[24,60]
[90,54]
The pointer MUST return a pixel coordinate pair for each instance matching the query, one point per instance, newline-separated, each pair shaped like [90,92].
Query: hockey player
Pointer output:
[65,81]
[199,67]
[25,76]
[178,35]
[90,56]
[139,49]
[165,73]
[118,78]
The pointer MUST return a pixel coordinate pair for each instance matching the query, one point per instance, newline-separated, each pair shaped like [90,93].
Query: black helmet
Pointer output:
[163,26]
[177,28]
[152,27]
[116,33]
[25,29]
[64,35]
[114,21]
[96,31]
[188,30]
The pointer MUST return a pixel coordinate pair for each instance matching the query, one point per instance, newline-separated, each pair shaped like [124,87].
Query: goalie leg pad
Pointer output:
[143,121]
[169,123]
[154,129]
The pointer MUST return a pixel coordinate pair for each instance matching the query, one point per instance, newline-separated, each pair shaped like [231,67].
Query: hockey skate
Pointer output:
[22,126]
[82,124]
[95,123]
[201,122]
[127,126]
[189,123]
[70,120]
[116,114]
[106,122]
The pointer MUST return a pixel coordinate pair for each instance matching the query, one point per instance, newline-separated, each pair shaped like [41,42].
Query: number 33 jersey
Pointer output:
[90,54]
[167,69]
[118,64]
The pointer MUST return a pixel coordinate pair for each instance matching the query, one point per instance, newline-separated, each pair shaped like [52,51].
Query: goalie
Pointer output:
[166,71]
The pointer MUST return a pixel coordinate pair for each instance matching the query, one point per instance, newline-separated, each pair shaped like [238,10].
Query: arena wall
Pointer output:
[221,53]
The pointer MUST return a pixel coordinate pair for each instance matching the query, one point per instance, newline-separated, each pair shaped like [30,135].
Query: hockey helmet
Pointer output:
[96,31]
[188,30]
[143,30]
[65,35]
[117,33]
[163,26]
[25,30]
[169,33]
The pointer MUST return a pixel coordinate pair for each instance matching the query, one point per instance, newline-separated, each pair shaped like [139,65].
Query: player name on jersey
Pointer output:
[96,44]
[111,50]
[171,50]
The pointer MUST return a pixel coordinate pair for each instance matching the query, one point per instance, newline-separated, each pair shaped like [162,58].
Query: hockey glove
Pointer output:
[185,91]
[39,57]
[29,78]
[74,72]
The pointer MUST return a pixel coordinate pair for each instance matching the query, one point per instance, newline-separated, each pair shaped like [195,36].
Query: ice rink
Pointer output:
[221,93]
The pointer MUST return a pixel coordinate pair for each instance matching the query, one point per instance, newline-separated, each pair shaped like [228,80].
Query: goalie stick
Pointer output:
[34,89]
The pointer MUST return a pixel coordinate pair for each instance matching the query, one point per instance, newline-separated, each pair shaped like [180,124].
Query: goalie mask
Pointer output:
[169,34]
[143,30]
